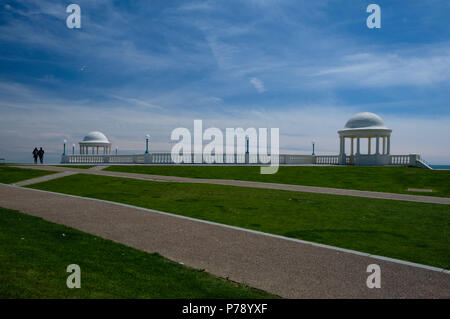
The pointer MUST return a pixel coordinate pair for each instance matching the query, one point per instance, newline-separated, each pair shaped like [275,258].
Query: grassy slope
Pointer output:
[411,231]
[382,179]
[9,175]
[34,255]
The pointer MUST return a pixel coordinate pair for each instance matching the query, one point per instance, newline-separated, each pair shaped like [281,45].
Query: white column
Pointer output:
[343,145]
[341,148]
[389,144]
[351,146]
[369,145]
[378,145]
[358,145]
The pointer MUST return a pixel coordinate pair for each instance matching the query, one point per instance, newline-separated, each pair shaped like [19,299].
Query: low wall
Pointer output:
[405,160]
[374,160]
[166,158]
[284,159]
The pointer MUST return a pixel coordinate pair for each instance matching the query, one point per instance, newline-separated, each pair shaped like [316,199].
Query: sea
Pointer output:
[440,167]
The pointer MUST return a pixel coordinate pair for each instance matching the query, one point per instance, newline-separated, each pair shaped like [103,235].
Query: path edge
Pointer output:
[334,248]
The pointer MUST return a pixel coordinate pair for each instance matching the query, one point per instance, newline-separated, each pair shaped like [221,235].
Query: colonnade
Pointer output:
[84,149]
[385,147]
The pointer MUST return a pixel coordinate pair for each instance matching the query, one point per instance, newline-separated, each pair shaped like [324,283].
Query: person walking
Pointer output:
[35,155]
[41,155]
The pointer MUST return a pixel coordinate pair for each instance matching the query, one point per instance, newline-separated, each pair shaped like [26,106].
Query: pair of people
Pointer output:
[38,153]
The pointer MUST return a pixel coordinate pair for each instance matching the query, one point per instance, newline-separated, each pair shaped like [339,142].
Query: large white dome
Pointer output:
[96,137]
[365,120]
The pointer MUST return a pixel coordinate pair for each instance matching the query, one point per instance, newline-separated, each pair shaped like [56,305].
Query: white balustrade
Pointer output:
[327,159]
[166,158]
[400,160]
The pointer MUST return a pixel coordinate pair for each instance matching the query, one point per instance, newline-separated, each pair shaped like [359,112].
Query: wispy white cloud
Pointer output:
[106,42]
[197,6]
[173,67]
[136,102]
[223,53]
[388,70]
[258,84]
[46,121]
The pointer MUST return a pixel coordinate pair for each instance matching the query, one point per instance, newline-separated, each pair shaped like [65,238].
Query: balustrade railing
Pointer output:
[399,160]
[166,158]
[327,159]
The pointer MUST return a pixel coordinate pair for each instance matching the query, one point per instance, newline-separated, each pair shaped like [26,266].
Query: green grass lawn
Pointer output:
[35,253]
[382,179]
[9,175]
[417,232]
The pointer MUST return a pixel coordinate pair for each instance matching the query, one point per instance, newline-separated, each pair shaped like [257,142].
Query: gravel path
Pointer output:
[98,167]
[295,188]
[281,266]
[44,178]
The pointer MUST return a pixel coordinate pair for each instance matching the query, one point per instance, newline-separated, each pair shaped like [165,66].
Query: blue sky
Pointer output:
[147,67]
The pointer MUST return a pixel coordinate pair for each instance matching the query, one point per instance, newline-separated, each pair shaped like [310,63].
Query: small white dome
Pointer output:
[96,137]
[365,120]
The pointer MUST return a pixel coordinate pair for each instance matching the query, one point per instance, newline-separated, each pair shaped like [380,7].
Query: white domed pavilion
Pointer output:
[95,140]
[368,126]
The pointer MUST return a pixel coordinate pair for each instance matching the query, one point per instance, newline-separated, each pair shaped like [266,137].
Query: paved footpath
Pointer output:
[44,178]
[286,267]
[295,188]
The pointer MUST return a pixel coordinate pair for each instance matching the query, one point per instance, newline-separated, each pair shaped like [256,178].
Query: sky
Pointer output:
[148,67]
